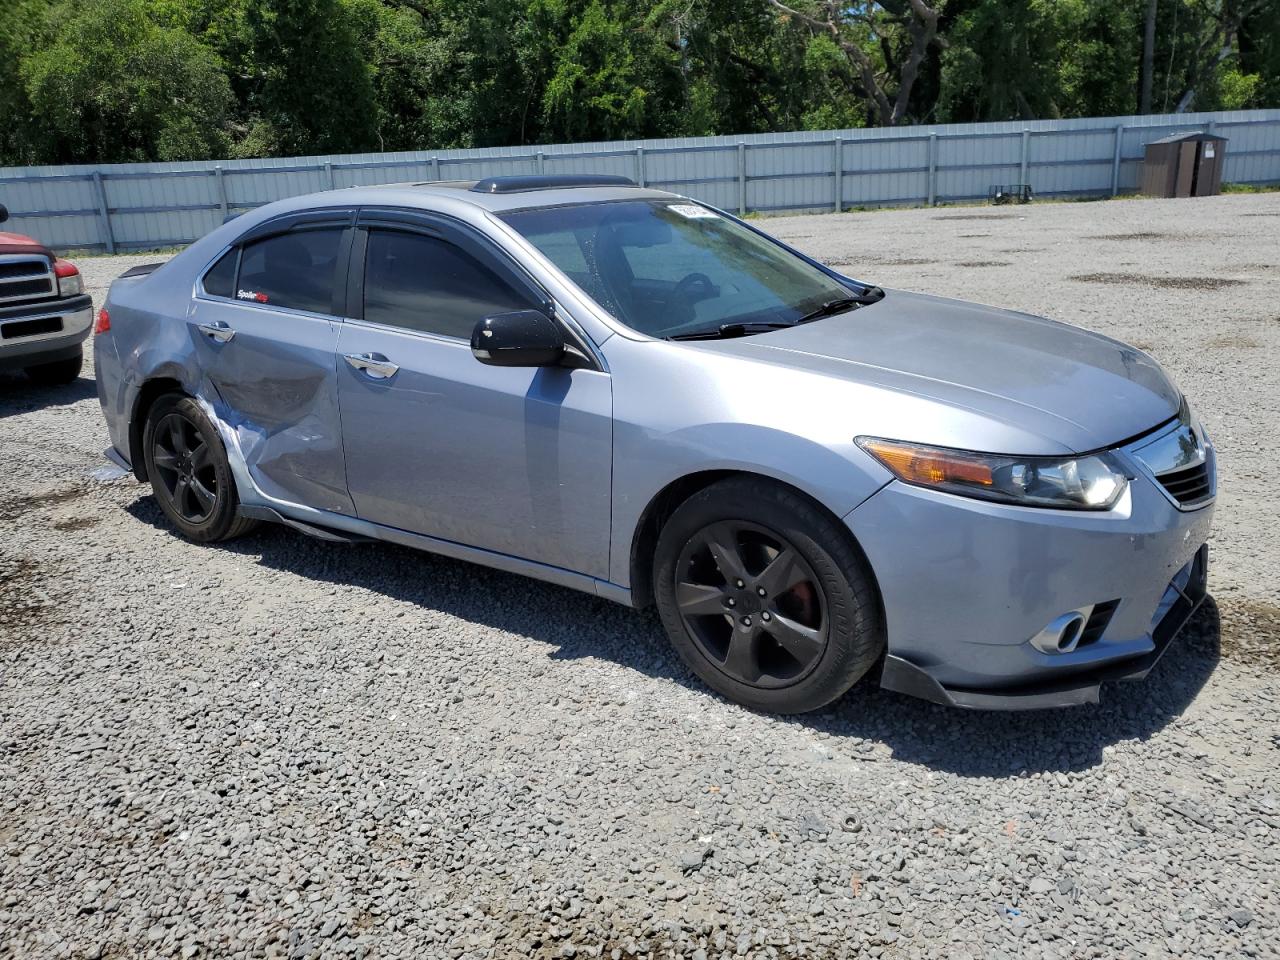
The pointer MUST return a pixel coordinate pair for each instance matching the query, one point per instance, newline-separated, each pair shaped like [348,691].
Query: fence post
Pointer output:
[933,169]
[1022,169]
[640,166]
[742,179]
[435,168]
[541,161]
[839,161]
[220,186]
[104,213]
[1115,160]
[328,174]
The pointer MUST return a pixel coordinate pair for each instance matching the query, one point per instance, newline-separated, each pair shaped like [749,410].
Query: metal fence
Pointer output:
[146,205]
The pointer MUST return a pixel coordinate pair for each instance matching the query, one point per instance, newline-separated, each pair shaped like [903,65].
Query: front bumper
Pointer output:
[1180,602]
[967,584]
[42,332]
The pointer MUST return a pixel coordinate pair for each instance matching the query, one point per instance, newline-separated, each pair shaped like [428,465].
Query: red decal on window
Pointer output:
[260,297]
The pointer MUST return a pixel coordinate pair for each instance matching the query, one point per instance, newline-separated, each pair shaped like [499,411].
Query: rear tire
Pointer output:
[59,372]
[804,624]
[189,472]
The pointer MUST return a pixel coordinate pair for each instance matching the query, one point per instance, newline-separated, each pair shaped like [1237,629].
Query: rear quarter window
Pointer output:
[220,280]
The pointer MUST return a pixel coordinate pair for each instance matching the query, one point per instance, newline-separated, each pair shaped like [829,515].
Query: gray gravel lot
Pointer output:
[281,747]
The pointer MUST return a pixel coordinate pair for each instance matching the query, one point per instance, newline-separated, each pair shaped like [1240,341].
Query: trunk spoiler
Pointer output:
[141,270]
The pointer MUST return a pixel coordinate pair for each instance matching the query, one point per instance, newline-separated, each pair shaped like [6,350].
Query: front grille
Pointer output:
[23,268]
[25,289]
[1099,617]
[26,277]
[1188,486]
[30,328]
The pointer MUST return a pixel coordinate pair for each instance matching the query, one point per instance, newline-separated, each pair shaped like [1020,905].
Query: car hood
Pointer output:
[18,243]
[1077,389]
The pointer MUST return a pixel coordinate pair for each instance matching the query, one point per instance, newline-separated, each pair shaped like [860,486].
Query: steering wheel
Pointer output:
[690,286]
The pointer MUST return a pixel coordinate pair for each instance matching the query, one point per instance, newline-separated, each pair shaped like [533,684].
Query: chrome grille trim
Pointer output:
[26,276]
[1180,459]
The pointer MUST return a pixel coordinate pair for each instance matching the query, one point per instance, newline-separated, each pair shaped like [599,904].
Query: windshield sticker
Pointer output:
[691,212]
[253,295]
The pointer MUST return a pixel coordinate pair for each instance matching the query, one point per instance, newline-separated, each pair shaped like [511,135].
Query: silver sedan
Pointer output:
[636,395]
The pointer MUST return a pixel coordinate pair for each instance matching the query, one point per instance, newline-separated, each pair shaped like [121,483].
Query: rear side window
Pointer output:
[424,283]
[294,270]
[220,281]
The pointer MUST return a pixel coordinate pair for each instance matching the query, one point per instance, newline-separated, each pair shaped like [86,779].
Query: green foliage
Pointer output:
[109,84]
[1024,59]
[114,80]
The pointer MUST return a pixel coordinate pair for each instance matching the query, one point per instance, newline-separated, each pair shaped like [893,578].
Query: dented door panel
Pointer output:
[275,386]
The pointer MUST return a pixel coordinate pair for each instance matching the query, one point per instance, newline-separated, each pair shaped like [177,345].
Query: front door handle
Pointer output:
[217,331]
[373,364]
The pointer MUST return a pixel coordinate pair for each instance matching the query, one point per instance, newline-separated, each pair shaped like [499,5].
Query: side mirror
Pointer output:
[525,338]
[4,213]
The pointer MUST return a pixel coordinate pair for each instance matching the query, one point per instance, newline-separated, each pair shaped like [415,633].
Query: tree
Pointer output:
[885,44]
[1040,58]
[302,77]
[20,24]
[1219,23]
[1148,56]
[111,85]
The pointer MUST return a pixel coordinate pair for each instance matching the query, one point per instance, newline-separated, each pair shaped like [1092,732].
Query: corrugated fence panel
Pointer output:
[455,168]
[134,206]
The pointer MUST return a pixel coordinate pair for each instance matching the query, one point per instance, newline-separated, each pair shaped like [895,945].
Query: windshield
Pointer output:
[673,267]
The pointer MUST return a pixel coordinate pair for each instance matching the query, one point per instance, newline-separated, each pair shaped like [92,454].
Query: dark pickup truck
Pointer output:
[45,315]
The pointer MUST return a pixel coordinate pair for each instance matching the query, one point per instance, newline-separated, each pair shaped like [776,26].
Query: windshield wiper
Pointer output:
[730,330]
[841,304]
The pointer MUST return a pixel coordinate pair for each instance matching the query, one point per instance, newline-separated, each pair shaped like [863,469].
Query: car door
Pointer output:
[265,322]
[515,460]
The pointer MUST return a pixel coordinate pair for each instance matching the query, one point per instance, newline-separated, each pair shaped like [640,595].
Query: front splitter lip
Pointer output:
[903,676]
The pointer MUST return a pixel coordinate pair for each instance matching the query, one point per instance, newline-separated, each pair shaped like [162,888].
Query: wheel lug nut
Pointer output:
[765,616]
[746,621]
[760,590]
[740,584]
[733,602]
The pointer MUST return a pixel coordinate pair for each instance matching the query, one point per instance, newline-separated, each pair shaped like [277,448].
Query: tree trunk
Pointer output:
[1148,58]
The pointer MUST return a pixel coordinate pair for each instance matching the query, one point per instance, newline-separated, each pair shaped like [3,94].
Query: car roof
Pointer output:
[512,193]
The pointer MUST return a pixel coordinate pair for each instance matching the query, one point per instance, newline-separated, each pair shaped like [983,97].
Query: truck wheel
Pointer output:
[58,372]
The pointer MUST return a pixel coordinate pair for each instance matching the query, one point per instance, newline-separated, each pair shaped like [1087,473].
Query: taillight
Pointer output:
[70,283]
[103,323]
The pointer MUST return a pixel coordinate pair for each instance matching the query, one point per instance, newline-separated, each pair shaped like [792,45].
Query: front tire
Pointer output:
[189,472]
[58,373]
[766,597]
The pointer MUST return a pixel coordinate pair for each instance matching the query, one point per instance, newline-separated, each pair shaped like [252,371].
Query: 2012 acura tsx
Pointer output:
[633,394]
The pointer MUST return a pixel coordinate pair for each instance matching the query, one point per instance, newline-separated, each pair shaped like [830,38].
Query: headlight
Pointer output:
[1093,482]
[71,286]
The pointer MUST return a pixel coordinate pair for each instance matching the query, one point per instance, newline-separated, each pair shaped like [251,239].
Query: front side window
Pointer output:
[294,270]
[667,267]
[424,283]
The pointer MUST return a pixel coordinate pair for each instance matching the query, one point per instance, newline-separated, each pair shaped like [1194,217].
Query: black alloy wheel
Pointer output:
[185,469]
[189,471]
[752,603]
[766,596]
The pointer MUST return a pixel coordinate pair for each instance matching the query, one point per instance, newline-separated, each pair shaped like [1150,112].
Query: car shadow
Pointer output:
[20,395]
[580,626]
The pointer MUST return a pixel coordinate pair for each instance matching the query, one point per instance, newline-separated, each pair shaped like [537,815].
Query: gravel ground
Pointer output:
[282,747]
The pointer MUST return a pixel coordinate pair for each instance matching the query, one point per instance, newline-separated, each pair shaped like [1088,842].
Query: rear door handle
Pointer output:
[374,365]
[217,331]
